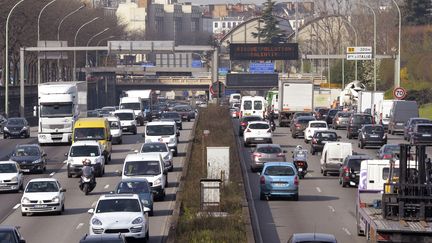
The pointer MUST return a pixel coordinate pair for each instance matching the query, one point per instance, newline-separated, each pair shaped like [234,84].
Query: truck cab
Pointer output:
[135,104]
[162,131]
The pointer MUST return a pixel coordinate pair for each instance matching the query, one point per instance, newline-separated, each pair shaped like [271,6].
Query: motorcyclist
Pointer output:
[87,169]
[270,117]
[297,150]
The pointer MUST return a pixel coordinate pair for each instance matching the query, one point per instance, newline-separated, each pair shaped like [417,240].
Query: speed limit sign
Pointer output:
[399,93]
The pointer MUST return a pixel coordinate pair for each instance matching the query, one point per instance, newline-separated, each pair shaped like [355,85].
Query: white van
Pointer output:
[382,112]
[135,104]
[150,167]
[333,155]
[162,131]
[127,120]
[234,98]
[115,128]
[252,106]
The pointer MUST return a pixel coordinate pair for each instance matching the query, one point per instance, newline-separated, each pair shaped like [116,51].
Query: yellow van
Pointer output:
[94,129]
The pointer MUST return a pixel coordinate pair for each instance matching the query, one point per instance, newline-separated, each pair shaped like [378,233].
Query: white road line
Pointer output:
[331,208]
[346,231]
[16,206]
[79,225]
[106,186]
[52,174]
[318,189]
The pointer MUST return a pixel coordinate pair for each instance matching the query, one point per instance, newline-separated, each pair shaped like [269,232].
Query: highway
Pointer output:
[73,224]
[324,206]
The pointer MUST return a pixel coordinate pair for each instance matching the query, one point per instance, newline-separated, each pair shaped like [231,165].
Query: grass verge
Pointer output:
[426,111]
[190,227]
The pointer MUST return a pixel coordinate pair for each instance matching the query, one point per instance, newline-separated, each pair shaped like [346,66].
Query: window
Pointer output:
[259,126]
[223,25]
[118,205]
[247,105]
[279,171]
[89,133]
[318,124]
[258,105]
[154,147]
[82,151]
[135,168]
[269,150]
[234,24]
[216,24]
[158,130]
[229,24]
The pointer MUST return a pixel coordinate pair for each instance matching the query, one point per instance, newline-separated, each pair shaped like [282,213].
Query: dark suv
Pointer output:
[330,115]
[299,125]
[372,135]
[349,172]
[321,113]
[320,138]
[356,121]
[422,134]
[410,124]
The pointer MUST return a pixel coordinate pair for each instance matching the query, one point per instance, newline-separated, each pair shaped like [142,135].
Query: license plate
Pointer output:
[124,128]
[259,139]
[300,169]
[40,206]
[374,136]
[399,123]
[279,184]
[56,135]
[26,170]
[427,135]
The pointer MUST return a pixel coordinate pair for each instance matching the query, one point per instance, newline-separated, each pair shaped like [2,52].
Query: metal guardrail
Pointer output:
[166,81]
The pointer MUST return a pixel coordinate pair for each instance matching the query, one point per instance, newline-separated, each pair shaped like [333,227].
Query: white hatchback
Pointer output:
[257,132]
[11,177]
[312,127]
[43,195]
[120,214]
[116,129]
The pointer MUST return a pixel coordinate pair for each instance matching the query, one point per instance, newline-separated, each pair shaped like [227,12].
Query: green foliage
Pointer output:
[336,71]
[269,30]
[416,12]
[426,111]
[307,66]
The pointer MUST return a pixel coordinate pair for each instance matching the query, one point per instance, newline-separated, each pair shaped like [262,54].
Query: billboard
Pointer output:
[249,80]
[258,51]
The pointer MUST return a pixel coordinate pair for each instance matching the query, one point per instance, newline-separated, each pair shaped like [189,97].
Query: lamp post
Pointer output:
[58,34]
[99,42]
[398,58]
[91,38]
[38,34]
[6,81]
[355,43]
[76,34]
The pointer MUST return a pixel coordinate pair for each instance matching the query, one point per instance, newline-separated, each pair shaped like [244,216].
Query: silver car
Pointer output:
[266,153]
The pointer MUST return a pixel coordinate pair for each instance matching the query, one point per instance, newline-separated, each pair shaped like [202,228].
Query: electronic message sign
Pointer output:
[258,51]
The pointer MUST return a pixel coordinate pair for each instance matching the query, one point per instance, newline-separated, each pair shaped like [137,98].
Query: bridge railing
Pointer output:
[166,80]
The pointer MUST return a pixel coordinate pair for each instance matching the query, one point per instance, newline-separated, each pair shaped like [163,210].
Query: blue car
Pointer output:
[138,186]
[279,179]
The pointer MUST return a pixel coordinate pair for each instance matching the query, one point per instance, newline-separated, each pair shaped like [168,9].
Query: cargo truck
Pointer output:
[60,104]
[294,95]
[147,97]
[369,100]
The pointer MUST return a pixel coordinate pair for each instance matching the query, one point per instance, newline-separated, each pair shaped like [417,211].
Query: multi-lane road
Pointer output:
[323,206]
[73,224]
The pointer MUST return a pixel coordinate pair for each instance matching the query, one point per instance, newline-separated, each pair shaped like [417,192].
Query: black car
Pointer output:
[321,113]
[320,138]
[103,238]
[10,234]
[349,172]
[330,115]
[173,116]
[155,112]
[186,112]
[410,124]
[16,127]
[356,121]
[244,122]
[422,134]
[299,125]
[372,135]
[30,157]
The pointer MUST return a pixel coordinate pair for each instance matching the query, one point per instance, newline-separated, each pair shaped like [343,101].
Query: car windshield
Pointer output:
[424,129]
[182,108]
[15,122]
[8,168]
[327,135]
[83,151]
[42,186]
[132,106]
[354,164]
[391,149]
[370,129]
[109,108]
[171,115]
[318,124]
[269,150]
[303,114]
[114,125]
[92,114]
[333,112]
[127,116]
[323,111]
[93,133]
[118,205]
[154,147]
[258,105]
[134,168]
[7,236]
[362,119]
[56,110]
[158,130]
[26,151]
[344,114]
[259,126]
[420,121]
[279,170]
[251,118]
[305,121]
[133,187]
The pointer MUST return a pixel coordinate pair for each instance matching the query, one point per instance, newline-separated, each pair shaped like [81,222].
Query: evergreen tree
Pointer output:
[269,30]
[417,12]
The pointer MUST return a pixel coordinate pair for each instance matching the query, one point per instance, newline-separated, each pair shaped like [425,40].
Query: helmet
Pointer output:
[299,147]
[86,162]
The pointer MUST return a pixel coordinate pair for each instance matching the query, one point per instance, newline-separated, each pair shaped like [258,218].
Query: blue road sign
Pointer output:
[196,63]
[264,67]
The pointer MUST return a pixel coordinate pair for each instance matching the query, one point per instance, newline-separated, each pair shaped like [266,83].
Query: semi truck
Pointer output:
[294,95]
[369,100]
[147,97]
[394,201]
[60,104]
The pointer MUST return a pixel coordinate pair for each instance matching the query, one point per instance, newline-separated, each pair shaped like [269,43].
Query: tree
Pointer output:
[417,12]
[270,32]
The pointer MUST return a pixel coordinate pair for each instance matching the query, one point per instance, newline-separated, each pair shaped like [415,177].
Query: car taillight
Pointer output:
[296,181]
[262,180]
[256,155]
[243,124]
[298,125]
[241,113]
[387,156]
[347,171]
[281,155]
[314,140]
[383,237]
[299,163]
[248,130]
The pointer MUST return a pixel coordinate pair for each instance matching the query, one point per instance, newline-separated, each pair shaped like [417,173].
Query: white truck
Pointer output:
[148,98]
[382,112]
[369,100]
[60,104]
[294,95]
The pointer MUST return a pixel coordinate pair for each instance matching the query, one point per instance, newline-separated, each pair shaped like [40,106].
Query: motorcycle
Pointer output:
[300,161]
[87,182]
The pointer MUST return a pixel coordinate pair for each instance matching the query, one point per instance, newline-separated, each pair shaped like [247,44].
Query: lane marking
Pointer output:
[318,189]
[346,231]
[16,206]
[106,186]
[79,225]
[332,208]
[52,174]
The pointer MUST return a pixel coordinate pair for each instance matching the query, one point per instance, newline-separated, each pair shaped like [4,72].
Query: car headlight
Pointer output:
[56,199]
[24,128]
[25,200]
[148,140]
[138,220]
[96,221]
[145,202]
[14,179]
[37,161]
[158,181]
[172,140]
[98,160]
[6,129]
[167,157]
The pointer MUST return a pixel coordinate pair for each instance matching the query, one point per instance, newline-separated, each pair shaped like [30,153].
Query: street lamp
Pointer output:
[398,58]
[91,38]
[58,34]
[355,43]
[38,33]
[6,81]
[76,34]
[99,42]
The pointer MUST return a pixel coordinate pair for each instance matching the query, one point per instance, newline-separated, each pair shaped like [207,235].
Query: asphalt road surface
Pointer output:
[73,224]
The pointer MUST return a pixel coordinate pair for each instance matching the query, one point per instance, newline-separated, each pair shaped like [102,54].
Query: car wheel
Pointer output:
[262,196]
[189,120]
[63,208]
[344,184]
[293,135]
[324,173]
[21,187]
[361,144]
[296,197]
[349,136]
[4,136]
[23,214]
[147,237]
[175,152]
[312,151]
[134,131]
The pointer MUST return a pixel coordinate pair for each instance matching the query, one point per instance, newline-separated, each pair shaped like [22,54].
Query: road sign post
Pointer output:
[359,53]
[399,93]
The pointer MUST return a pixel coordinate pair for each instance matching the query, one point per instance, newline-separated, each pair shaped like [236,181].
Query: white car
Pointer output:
[159,148]
[11,177]
[127,120]
[116,129]
[257,132]
[312,127]
[120,213]
[162,131]
[43,195]
[81,150]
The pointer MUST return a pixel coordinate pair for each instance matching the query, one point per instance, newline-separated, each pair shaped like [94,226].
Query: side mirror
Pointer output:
[339,137]
[44,154]
[62,190]
[90,211]
[178,134]
[146,210]
[110,138]
[66,154]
